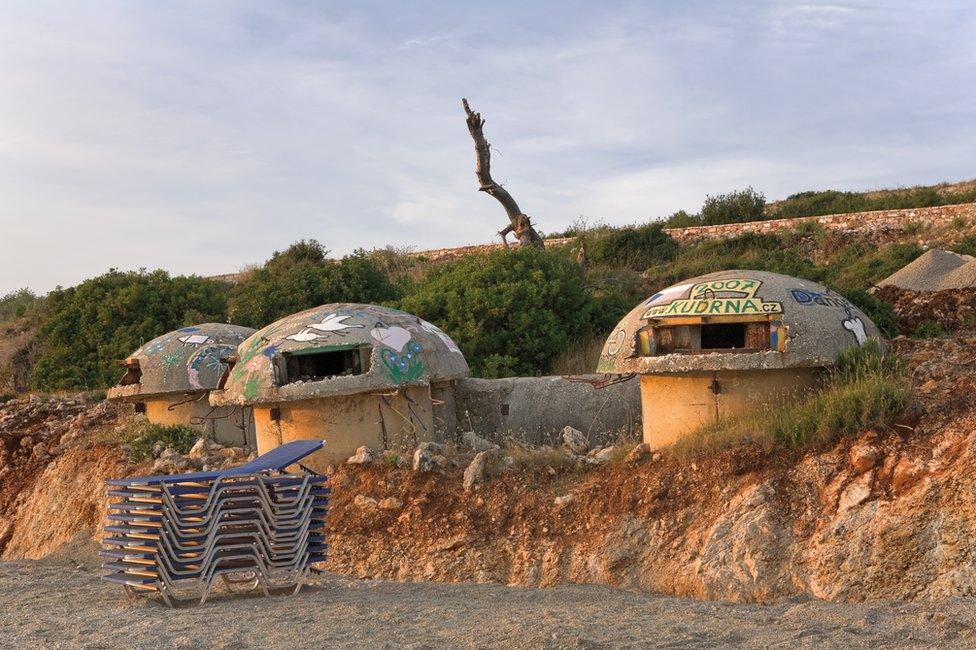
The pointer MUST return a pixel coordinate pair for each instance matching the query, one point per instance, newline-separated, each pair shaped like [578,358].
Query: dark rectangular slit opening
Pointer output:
[723,336]
[315,366]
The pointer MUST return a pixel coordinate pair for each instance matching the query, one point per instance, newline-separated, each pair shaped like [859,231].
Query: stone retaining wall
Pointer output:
[908,221]
[878,221]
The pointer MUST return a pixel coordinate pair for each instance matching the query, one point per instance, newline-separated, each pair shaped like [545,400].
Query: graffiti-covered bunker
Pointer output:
[170,377]
[348,374]
[727,343]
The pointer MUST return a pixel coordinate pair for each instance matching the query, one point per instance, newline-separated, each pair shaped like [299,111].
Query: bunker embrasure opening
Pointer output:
[741,335]
[324,363]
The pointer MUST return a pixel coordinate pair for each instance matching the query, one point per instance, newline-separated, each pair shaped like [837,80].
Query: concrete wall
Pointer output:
[395,421]
[535,409]
[228,425]
[676,405]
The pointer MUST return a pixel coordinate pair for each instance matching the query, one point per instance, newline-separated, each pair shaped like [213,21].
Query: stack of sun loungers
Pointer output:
[251,526]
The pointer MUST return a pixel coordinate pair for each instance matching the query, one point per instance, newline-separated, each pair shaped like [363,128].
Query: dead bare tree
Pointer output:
[520,223]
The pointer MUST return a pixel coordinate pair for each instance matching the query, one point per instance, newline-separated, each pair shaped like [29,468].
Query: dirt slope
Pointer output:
[886,514]
[51,471]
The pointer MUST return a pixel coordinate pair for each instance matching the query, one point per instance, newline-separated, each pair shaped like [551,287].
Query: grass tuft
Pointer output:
[143,436]
[867,389]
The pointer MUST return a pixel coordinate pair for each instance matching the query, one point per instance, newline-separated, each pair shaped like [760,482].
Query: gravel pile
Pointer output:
[935,270]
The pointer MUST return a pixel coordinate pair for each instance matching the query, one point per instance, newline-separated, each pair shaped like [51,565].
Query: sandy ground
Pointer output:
[63,604]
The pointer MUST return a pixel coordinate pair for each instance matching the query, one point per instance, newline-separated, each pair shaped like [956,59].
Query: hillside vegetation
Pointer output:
[511,311]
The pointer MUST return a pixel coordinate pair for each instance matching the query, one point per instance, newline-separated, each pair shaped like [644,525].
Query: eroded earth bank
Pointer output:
[882,515]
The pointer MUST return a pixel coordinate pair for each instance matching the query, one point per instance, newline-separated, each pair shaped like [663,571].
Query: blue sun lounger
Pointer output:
[252,526]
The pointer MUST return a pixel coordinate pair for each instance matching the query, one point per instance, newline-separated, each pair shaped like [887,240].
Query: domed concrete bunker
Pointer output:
[170,376]
[349,374]
[727,343]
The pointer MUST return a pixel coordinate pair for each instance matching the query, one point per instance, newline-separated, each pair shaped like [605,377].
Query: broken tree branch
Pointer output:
[520,223]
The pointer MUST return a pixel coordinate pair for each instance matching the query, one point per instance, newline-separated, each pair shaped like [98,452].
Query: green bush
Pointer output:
[808,204]
[18,303]
[682,219]
[511,312]
[635,247]
[302,277]
[142,438]
[734,207]
[85,330]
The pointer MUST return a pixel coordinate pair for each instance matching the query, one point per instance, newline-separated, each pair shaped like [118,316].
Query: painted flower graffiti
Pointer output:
[399,353]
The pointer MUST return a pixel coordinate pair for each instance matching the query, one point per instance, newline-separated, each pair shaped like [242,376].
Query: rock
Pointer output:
[906,473]
[603,456]
[428,456]
[432,447]
[229,452]
[199,449]
[638,453]
[364,502]
[474,442]
[863,457]
[391,503]
[363,456]
[563,500]
[39,451]
[421,461]
[855,493]
[475,472]
[575,441]
[158,448]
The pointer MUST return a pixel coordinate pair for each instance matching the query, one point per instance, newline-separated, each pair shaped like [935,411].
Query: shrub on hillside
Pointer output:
[302,277]
[635,247]
[809,204]
[734,207]
[681,219]
[747,251]
[511,312]
[85,330]
[18,303]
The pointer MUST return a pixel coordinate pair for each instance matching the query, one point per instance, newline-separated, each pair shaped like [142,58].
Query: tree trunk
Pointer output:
[519,222]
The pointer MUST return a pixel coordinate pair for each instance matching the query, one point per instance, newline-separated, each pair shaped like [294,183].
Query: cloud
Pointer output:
[200,138]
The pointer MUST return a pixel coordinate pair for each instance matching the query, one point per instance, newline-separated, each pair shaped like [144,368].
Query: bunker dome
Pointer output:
[169,377]
[349,374]
[726,343]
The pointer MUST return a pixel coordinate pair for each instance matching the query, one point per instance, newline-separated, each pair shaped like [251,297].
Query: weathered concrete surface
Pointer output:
[811,323]
[536,409]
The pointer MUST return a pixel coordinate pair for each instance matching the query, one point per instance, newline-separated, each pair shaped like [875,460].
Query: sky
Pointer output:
[201,137]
